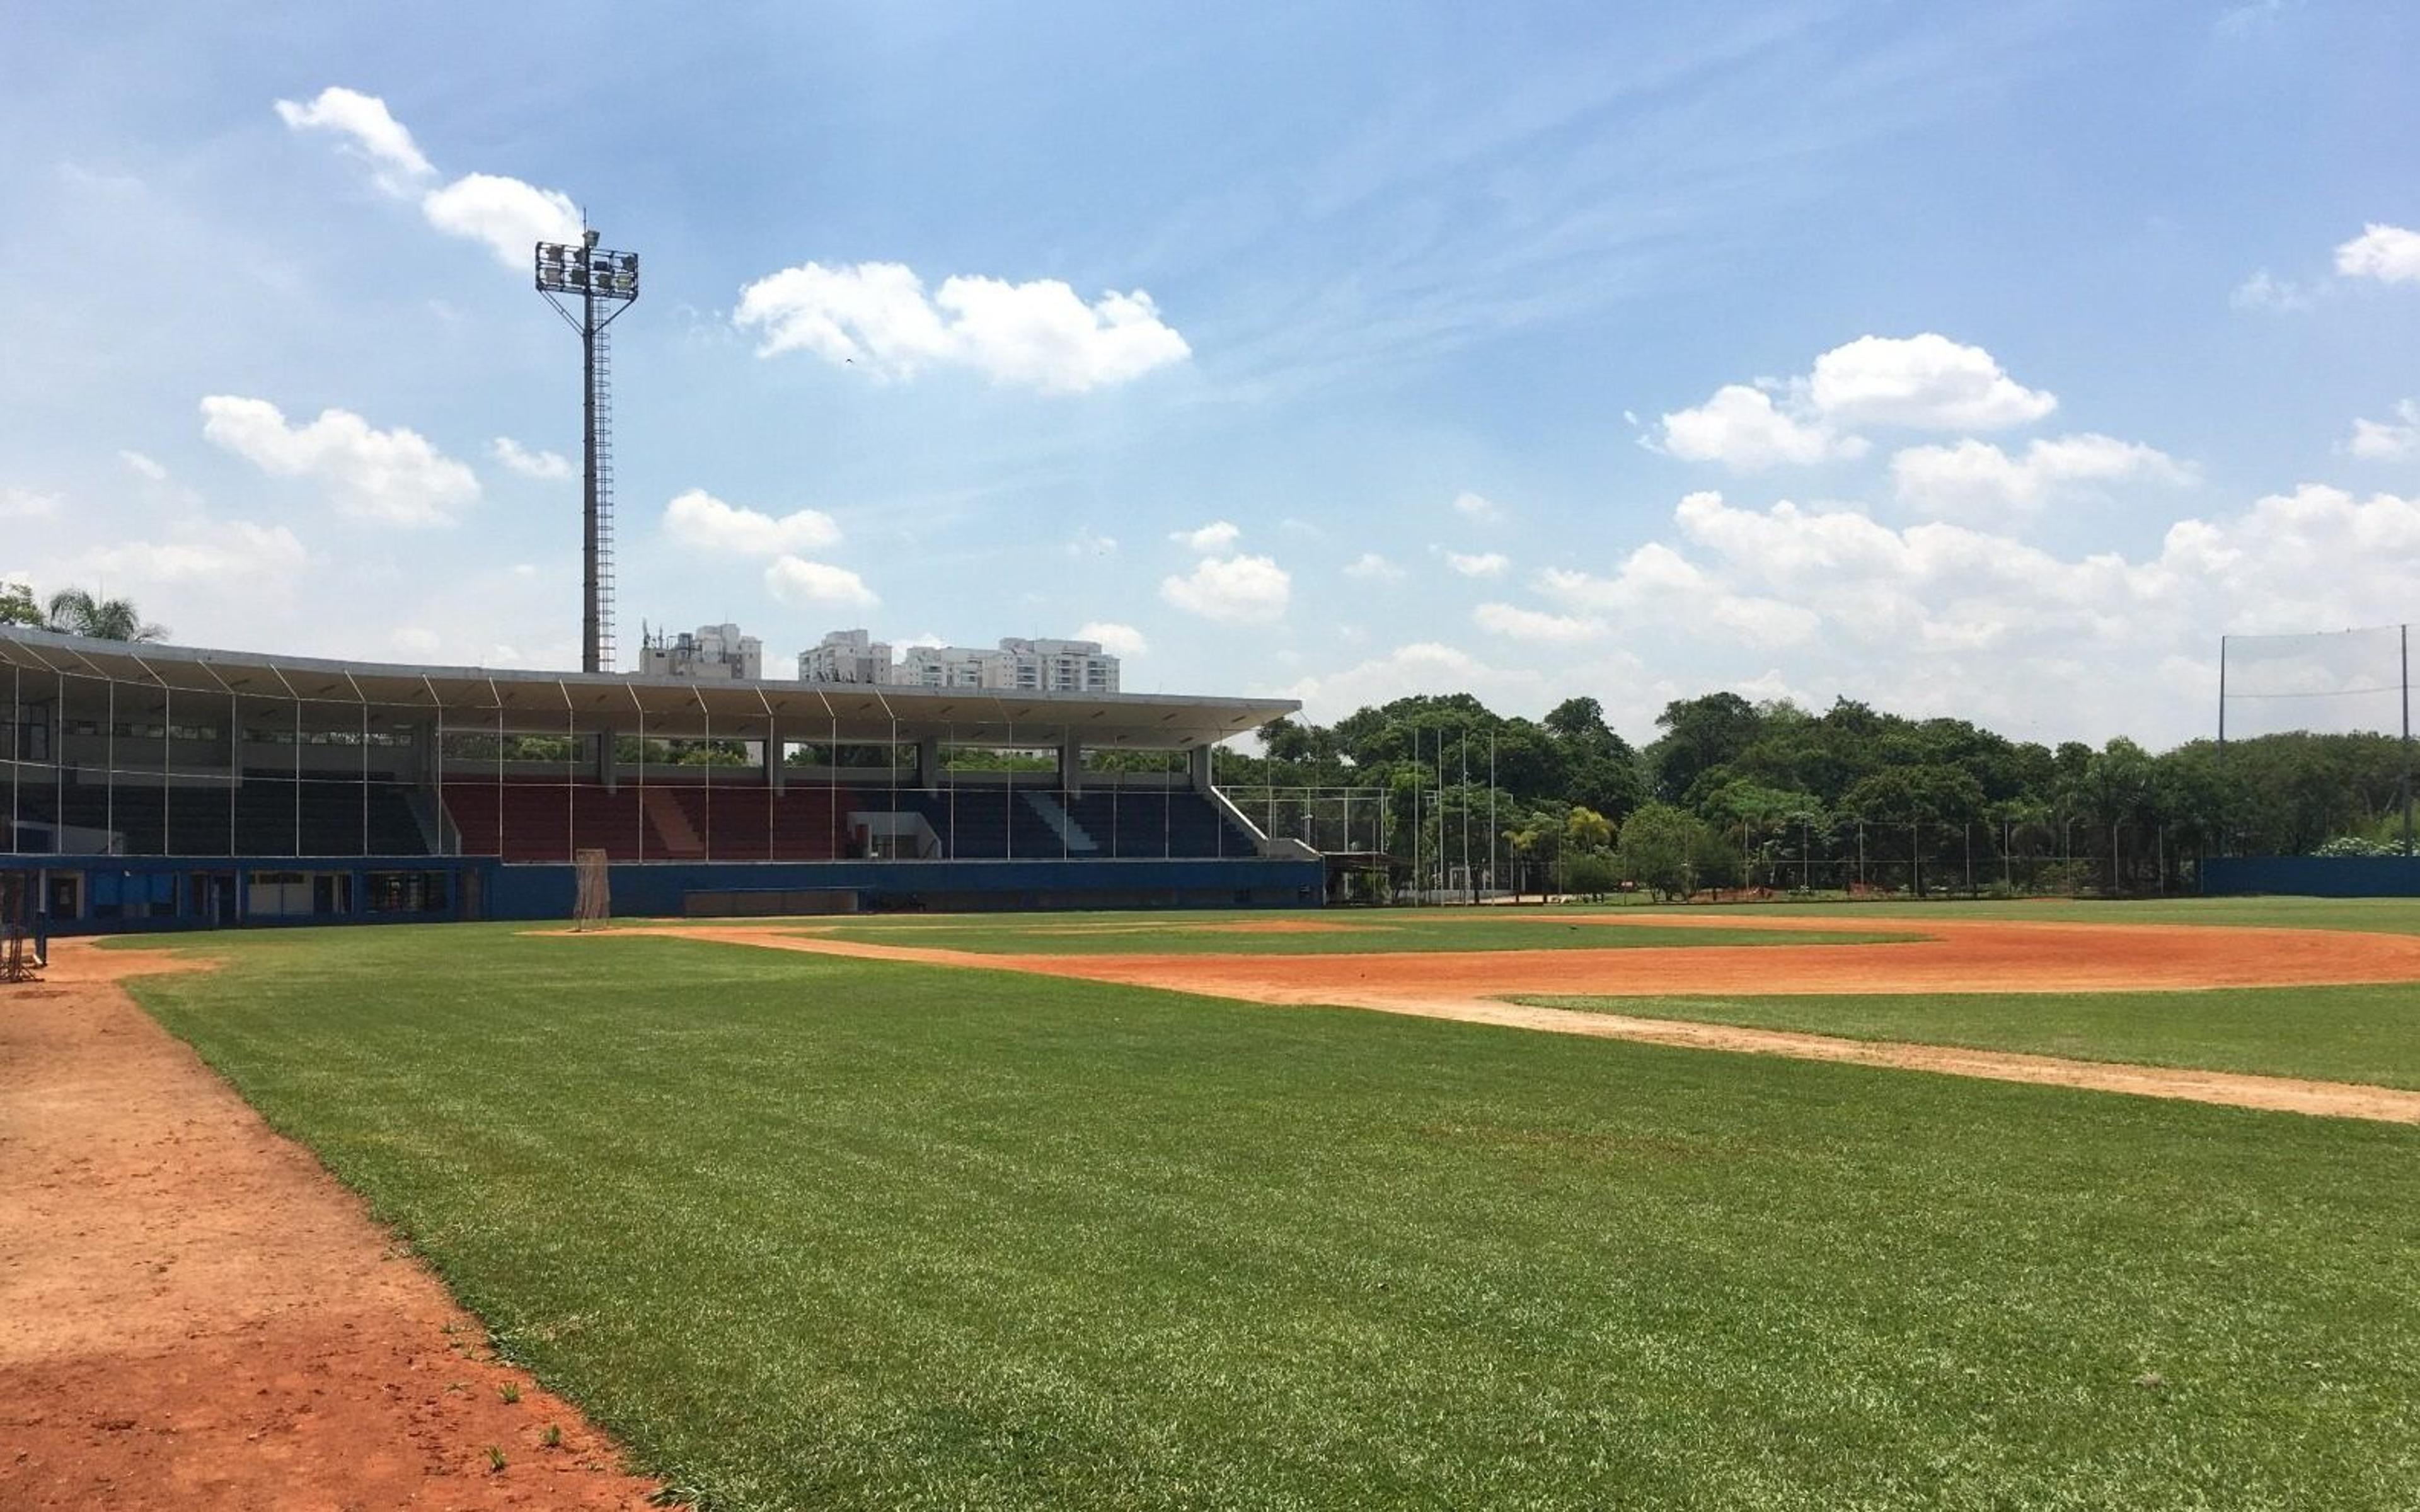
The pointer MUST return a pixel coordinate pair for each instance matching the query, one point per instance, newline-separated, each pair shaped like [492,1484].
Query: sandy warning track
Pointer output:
[194,1314]
[1956,956]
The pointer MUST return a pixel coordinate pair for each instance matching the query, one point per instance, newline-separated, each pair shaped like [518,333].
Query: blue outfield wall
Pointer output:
[2313,877]
[122,894]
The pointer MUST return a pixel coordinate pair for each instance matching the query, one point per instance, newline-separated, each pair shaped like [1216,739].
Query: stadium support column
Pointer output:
[1071,764]
[772,757]
[601,759]
[928,762]
[1197,766]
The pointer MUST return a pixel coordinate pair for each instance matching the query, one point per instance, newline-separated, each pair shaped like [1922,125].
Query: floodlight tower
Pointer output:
[604,284]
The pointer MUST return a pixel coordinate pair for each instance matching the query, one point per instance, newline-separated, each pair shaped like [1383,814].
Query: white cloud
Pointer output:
[25,503]
[1087,542]
[2239,22]
[508,214]
[1038,334]
[1210,539]
[817,585]
[2262,292]
[1370,567]
[221,553]
[1925,382]
[701,522]
[2314,558]
[1657,588]
[2388,440]
[1238,590]
[1977,479]
[1483,565]
[368,133]
[1536,625]
[2389,254]
[545,465]
[1424,667]
[1920,382]
[393,476]
[1743,429]
[1478,507]
[143,466]
[1115,638]
[1941,618]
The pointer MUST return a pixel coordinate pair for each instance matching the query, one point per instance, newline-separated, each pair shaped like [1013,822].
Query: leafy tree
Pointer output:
[1698,733]
[1714,861]
[1658,844]
[75,611]
[1286,741]
[1933,792]
[17,605]
[1590,875]
[1578,718]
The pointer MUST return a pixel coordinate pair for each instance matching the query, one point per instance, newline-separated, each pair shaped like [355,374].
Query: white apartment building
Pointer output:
[1061,666]
[847,656]
[714,651]
[1023,665]
[953,667]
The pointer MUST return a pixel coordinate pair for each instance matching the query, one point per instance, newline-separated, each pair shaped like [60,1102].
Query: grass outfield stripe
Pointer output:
[2385,916]
[2367,1035]
[809,1231]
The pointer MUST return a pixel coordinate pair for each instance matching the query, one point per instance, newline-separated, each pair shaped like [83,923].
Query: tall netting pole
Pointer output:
[2220,837]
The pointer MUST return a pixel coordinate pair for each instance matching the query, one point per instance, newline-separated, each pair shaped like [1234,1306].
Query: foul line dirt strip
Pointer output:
[194,1314]
[1424,985]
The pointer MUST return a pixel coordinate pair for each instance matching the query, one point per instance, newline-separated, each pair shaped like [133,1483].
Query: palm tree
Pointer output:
[74,611]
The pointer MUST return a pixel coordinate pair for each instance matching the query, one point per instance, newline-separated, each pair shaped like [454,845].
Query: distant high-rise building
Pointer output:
[1030,665]
[715,652]
[1061,666]
[847,656]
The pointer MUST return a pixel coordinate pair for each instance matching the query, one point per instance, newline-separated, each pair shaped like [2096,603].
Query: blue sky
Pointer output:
[1980,361]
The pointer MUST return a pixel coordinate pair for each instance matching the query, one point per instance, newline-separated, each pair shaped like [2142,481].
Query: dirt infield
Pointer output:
[195,1315]
[1956,956]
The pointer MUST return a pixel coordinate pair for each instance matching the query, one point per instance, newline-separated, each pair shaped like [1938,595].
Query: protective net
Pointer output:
[2344,682]
[593,903]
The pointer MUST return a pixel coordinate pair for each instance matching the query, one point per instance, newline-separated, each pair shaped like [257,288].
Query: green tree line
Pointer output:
[1732,790]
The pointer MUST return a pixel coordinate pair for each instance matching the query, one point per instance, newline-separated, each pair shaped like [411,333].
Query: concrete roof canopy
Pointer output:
[670,707]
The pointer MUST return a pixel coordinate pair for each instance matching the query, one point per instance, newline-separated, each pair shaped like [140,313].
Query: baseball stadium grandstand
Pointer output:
[160,787]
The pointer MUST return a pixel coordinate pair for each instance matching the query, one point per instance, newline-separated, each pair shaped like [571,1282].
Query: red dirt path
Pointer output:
[194,1314]
[1958,956]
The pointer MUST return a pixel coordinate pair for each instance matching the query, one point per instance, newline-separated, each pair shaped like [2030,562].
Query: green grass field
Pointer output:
[817,1232]
[2385,916]
[2341,1034]
[1338,932]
